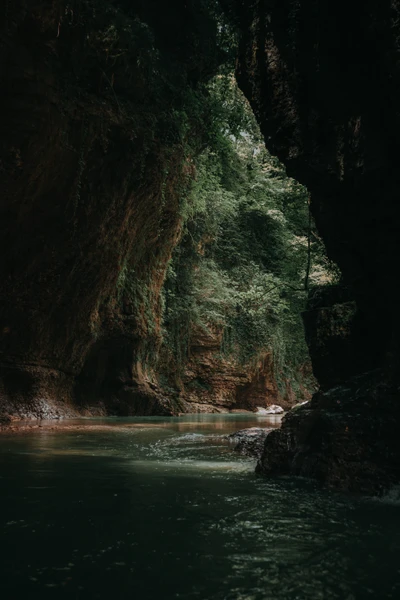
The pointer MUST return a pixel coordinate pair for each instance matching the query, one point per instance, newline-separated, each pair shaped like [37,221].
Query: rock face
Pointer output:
[212,382]
[323,80]
[92,168]
[346,437]
[324,84]
[336,334]
[250,442]
[343,438]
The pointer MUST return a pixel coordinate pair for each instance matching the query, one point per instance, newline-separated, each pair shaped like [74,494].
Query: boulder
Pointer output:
[250,442]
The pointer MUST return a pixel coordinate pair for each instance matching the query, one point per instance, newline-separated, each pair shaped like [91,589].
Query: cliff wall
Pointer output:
[323,80]
[94,163]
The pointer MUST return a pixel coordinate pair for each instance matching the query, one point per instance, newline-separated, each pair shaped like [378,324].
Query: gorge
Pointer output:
[106,109]
[199,214]
[127,115]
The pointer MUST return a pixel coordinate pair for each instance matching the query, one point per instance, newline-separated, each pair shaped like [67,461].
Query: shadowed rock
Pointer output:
[250,441]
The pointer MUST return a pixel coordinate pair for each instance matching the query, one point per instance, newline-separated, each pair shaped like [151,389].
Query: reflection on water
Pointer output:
[161,508]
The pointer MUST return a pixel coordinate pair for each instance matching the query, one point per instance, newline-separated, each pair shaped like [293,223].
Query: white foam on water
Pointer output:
[391,497]
[182,467]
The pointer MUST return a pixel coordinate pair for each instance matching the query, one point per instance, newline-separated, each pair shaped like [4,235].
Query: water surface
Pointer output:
[154,508]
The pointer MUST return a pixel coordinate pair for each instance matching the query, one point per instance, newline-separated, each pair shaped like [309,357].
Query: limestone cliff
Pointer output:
[94,162]
[212,381]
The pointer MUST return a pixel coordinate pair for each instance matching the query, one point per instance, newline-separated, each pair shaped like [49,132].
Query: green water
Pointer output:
[162,509]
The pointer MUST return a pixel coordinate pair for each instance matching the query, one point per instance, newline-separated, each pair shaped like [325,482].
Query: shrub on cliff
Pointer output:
[248,250]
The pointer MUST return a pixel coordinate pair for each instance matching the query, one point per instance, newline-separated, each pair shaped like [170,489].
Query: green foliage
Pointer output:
[241,265]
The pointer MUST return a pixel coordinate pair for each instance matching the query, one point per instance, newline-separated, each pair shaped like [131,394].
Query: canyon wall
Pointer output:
[209,380]
[100,120]
[104,110]
[324,84]
[323,80]
[94,161]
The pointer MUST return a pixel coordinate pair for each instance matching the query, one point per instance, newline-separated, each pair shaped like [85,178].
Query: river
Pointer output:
[154,508]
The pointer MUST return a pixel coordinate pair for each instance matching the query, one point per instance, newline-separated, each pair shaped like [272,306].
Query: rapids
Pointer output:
[155,508]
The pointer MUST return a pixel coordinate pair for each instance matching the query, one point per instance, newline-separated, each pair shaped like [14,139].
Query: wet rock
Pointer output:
[346,437]
[250,441]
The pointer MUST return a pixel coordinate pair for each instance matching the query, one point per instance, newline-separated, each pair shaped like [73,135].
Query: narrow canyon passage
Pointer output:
[163,508]
[199,323]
